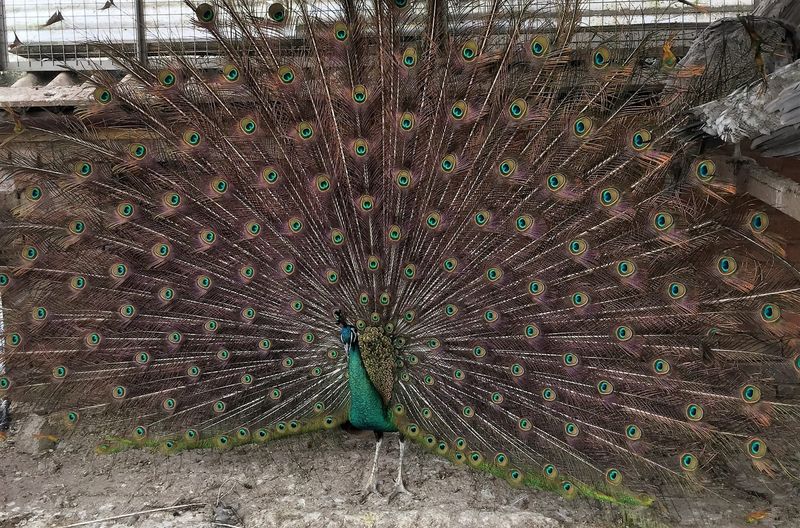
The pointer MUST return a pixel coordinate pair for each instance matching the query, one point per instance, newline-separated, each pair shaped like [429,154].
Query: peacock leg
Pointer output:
[399,487]
[372,483]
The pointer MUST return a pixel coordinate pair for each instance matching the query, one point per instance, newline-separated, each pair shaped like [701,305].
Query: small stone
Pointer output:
[33,437]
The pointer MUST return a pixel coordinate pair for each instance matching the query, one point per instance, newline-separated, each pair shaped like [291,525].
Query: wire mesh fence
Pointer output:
[46,35]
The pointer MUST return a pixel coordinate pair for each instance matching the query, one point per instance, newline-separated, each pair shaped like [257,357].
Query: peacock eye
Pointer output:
[322,183]
[523,223]
[539,46]
[605,387]
[287,267]
[247,125]
[403,179]
[770,312]
[623,333]
[269,175]
[359,93]
[518,108]
[579,299]
[663,221]
[409,57]
[448,163]
[83,169]
[433,220]
[694,412]
[469,51]
[277,12]
[360,147]
[407,121]
[705,170]
[609,196]
[167,78]
[688,462]
[77,227]
[750,394]
[30,253]
[137,151]
[676,290]
[207,237]
[205,13]
[758,222]
[536,287]
[577,247]
[367,203]
[507,167]
[726,265]
[626,268]
[191,138]
[556,182]
[340,32]
[295,225]
[482,218]
[203,282]
[633,432]
[172,200]
[332,276]
[661,366]
[34,194]
[459,110]
[756,448]
[601,58]
[641,139]
[337,237]
[286,74]
[102,95]
[582,126]
[161,250]
[305,130]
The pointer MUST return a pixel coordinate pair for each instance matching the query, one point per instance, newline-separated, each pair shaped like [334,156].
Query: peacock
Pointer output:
[471,223]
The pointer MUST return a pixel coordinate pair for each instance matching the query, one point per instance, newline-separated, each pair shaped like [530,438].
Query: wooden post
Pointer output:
[141,37]
[4,50]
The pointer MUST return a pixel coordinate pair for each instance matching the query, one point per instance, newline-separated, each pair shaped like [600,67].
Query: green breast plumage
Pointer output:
[367,408]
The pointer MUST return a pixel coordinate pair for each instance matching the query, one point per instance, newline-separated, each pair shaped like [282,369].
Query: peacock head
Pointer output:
[348,335]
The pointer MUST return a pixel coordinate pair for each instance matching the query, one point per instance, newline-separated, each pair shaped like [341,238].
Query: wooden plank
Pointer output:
[46,96]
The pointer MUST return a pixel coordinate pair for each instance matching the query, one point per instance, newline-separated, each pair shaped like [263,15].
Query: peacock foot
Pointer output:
[371,489]
[399,489]
[372,483]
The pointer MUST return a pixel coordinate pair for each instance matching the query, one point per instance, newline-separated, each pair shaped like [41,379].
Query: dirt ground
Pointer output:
[314,481]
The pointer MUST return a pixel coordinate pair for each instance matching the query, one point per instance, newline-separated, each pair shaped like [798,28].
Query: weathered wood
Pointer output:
[111,134]
[771,188]
[47,96]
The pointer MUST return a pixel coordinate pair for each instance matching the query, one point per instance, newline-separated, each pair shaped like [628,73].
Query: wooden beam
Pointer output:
[46,96]
[770,187]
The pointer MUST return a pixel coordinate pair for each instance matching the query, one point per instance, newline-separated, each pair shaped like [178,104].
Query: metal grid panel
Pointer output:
[611,12]
[168,27]
[33,44]
[682,22]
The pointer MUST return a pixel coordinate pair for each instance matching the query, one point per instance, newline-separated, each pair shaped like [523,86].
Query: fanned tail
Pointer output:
[574,296]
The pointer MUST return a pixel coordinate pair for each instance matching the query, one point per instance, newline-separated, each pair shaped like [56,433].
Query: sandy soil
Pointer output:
[314,481]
